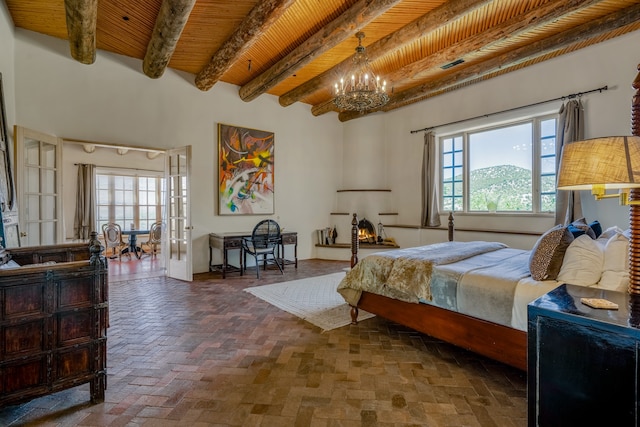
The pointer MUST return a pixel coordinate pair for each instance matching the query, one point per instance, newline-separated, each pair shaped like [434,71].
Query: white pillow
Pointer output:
[583,261]
[616,254]
[615,269]
[610,232]
[614,280]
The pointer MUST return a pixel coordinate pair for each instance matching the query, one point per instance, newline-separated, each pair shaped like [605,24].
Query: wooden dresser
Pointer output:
[53,324]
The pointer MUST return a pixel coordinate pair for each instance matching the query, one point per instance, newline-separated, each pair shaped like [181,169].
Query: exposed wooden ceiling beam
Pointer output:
[172,18]
[82,18]
[437,18]
[354,19]
[513,27]
[262,16]
[512,58]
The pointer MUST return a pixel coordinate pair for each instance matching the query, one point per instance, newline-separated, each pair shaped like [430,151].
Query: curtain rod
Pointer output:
[118,167]
[562,98]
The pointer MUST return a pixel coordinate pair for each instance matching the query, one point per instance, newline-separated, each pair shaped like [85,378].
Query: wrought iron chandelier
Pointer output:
[363,90]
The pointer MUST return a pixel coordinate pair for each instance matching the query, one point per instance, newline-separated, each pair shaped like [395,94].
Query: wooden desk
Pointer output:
[227,241]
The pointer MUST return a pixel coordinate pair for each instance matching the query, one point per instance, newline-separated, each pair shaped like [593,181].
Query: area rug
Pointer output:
[313,299]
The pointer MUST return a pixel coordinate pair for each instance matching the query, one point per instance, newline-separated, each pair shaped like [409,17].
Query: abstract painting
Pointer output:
[246,167]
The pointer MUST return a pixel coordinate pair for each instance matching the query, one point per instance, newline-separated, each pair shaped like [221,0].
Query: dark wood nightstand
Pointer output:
[583,362]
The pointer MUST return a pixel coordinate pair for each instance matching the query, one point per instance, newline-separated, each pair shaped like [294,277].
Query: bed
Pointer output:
[475,294]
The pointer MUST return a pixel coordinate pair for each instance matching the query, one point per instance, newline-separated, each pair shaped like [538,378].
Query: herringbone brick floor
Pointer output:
[208,354]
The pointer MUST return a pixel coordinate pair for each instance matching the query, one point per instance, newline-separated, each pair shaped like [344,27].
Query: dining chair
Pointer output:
[262,245]
[113,239]
[155,238]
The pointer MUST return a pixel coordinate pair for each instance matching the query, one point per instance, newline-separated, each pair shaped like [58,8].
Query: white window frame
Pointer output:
[536,120]
[133,173]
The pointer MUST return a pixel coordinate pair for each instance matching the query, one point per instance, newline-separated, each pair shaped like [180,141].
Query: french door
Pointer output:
[39,187]
[178,246]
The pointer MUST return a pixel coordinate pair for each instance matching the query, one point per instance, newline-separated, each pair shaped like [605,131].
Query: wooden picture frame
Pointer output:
[246,163]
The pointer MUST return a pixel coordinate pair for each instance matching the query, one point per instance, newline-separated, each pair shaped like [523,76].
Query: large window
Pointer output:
[129,198]
[508,168]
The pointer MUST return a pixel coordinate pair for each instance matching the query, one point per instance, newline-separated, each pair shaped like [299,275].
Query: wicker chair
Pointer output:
[262,245]
[113,239]
[155,239]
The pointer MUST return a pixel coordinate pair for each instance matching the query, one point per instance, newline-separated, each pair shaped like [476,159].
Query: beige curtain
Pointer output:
[570,128]
[84,221]
[430,174]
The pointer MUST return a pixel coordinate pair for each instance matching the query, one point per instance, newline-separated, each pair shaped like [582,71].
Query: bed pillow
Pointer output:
[548,253]
[610,232]
[615,269]
[583,261]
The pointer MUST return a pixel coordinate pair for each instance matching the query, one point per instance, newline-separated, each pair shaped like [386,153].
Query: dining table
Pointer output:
[133,242]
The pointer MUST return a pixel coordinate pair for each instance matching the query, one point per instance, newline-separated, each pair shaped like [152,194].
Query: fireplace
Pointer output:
[366,231]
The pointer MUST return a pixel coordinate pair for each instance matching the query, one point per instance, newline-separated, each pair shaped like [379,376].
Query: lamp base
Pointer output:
[634,243]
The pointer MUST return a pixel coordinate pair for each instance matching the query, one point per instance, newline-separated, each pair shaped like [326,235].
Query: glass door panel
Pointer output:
[178,254]
[38,158]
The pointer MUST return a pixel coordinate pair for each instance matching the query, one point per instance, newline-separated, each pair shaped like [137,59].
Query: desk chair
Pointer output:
[155,238]
[263,243]
[113,239]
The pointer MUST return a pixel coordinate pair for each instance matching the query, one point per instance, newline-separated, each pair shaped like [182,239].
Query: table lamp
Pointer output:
[608,163]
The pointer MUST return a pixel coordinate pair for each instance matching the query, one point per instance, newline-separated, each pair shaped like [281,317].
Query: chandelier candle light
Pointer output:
[363,90]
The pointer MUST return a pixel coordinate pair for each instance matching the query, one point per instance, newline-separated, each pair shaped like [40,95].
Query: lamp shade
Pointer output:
[612,162]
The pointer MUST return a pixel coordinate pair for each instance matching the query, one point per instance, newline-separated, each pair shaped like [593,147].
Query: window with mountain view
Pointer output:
[511,168]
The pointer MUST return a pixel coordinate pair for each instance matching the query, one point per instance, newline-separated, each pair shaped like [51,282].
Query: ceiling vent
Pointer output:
[452,64]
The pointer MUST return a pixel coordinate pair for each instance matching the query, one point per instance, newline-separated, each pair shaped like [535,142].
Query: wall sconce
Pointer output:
[609,163]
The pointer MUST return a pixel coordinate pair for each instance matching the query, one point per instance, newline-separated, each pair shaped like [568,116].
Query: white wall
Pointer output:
[613,63]
[112,101]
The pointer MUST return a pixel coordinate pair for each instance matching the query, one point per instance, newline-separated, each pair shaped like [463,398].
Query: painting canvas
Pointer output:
[246,171]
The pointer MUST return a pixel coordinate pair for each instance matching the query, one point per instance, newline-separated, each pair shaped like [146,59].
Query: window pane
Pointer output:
[447,145]
[457,143]
[548,203]
[447,160]
[548,165]
[548,184]
[500,171]
[127,199]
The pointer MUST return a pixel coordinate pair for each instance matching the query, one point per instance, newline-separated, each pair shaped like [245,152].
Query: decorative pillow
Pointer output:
[596,227]
[548,253]
[582,264]
[580,227]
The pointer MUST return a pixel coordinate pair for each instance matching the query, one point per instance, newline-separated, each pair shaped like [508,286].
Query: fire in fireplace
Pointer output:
[366,231]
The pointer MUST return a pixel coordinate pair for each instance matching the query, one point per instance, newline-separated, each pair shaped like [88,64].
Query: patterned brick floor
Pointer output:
[208,354]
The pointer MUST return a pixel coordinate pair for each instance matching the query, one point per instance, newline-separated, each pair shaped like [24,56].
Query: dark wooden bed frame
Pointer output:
[498,342]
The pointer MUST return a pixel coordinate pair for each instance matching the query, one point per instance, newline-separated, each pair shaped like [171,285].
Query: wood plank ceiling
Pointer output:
[297,49]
